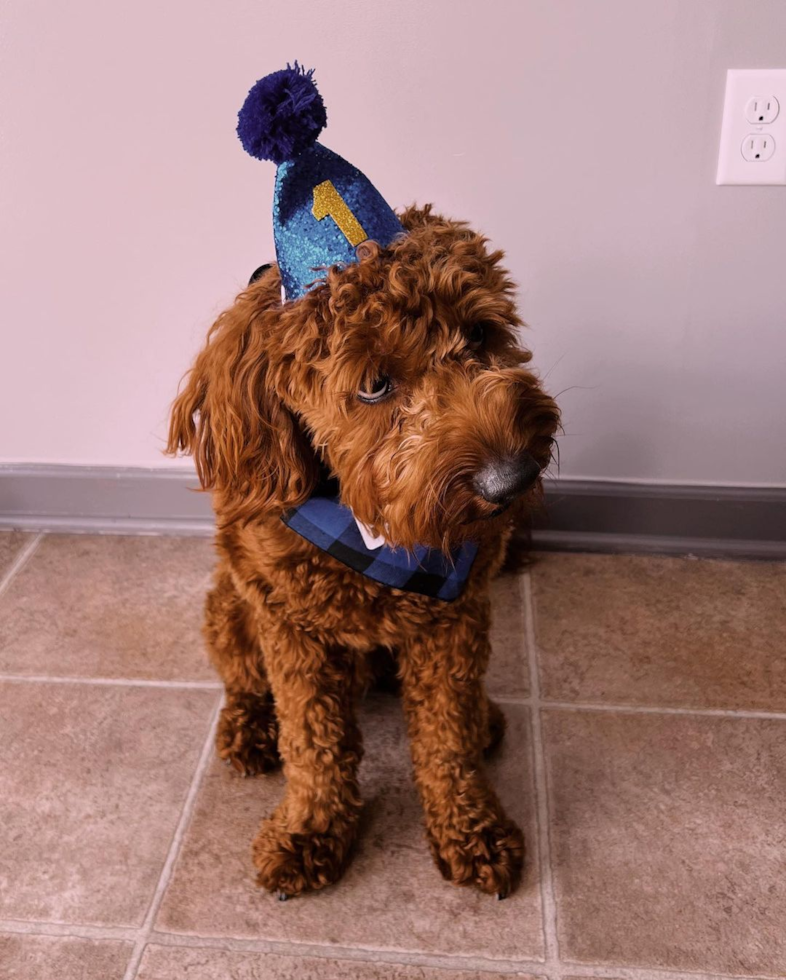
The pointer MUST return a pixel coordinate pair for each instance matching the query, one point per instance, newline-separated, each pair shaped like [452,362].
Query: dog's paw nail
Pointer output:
[282,896]
[501,896]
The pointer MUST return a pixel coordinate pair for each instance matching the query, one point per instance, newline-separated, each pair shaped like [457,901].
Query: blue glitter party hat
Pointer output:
[323,207]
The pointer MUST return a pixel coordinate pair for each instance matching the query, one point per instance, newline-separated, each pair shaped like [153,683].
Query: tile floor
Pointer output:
[645,759]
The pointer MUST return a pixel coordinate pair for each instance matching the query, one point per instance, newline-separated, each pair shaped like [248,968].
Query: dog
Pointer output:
[400,379]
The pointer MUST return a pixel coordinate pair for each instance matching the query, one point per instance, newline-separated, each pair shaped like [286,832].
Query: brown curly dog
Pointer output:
[399,376]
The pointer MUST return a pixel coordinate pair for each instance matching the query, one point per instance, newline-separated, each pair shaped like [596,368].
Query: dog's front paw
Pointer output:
[247,735]
[292,863]
[489,857]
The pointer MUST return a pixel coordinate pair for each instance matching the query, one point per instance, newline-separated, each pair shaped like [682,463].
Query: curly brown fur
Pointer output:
[270,402]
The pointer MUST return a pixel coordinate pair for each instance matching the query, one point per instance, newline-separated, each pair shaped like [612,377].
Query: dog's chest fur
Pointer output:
[286,579]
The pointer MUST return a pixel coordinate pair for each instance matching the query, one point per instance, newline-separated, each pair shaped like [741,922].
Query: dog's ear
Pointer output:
[247,446]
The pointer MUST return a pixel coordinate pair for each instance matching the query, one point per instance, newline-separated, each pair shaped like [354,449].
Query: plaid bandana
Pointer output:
[331,526]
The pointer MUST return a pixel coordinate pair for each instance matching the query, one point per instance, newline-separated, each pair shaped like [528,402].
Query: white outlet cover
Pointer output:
[743,84]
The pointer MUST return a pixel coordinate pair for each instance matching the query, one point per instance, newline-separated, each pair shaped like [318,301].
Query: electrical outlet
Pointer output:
[753,135]
[762,109]
[758,146]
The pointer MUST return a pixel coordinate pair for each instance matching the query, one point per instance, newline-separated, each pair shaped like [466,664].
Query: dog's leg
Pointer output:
[247,733]
[450,725]
[306,843]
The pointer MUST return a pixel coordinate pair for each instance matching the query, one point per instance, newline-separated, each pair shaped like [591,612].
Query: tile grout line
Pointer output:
[20,561]
[111,681]
[365,954]
[34,927]
[174,848]
[551,943]
[640,709]
[526,702]
[538,968]
[281,947]
[601,972]
[630,709]
[355,954]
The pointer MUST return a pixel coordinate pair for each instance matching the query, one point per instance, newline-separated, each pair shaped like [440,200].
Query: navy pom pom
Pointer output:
[283,114]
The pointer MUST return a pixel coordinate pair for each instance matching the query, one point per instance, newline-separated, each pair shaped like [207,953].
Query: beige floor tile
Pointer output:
[92,781]
[108,606]
[25,957]
[508,671]
[62,958]
[11,543]
[669,840]
[392,896]
[662,631]
[179,963]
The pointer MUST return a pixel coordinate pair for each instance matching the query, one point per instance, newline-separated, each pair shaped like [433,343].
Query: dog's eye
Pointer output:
[477,335]
[376,390]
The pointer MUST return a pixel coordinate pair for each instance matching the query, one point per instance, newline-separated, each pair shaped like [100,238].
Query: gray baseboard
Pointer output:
[582,515]
[588,515]
[103,499]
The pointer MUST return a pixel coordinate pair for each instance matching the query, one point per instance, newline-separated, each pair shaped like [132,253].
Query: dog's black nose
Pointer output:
[502,480]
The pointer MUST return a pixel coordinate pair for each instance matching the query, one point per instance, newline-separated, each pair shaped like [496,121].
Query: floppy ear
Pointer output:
[246,445]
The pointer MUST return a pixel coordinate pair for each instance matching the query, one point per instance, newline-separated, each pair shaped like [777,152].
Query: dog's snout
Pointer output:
[502,480]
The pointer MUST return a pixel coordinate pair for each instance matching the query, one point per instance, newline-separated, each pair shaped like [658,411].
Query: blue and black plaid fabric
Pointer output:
[331,526]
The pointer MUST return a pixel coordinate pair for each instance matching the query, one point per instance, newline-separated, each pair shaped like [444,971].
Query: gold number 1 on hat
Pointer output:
[328,202]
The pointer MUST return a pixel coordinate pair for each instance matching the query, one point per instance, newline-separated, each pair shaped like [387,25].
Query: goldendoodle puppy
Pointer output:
[394,392]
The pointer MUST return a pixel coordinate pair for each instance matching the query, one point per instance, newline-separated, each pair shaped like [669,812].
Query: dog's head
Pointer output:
[400,374]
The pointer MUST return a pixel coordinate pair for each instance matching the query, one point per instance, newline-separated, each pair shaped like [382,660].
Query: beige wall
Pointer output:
[581,135]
